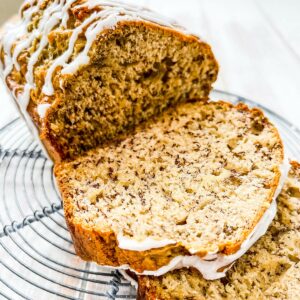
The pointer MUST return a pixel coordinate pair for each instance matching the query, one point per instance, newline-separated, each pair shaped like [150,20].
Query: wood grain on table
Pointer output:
[257,44]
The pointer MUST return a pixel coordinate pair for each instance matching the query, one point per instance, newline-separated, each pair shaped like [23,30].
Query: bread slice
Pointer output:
[85,70]
[191,183]
[270,269]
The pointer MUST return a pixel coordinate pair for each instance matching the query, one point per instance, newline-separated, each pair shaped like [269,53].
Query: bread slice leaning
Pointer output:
[193,182]
[270,269]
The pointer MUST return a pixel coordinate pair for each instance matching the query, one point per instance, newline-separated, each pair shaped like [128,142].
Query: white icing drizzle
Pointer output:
[143,12]
[61,60]
[27,120]
[148,243]
[51,18]
[14,32]
[210,269]
[132,281]
[90,4]
[56,14]
[24,44]
[210,265]
[83,57]
[91,34]
[42,109]
[114,15]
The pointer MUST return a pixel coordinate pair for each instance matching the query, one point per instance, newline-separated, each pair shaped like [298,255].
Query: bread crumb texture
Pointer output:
[200,174]
[135,70]
[269,270]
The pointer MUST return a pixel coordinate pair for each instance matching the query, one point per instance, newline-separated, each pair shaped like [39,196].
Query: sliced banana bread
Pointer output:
[86,70]
[193,182]
[270,269]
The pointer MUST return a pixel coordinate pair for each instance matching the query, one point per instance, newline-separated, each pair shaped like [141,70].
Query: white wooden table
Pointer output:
[257,44]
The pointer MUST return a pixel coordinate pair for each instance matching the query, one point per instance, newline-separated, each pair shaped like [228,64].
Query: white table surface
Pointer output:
[257,44]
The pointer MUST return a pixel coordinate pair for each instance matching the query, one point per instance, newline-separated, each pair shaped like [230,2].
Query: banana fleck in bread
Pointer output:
[86,70]
[270,269]
[191,183]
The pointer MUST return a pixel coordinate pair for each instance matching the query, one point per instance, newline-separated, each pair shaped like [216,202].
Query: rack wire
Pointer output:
[37,259]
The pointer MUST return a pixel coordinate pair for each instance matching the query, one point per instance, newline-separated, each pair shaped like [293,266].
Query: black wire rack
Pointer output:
[37,259]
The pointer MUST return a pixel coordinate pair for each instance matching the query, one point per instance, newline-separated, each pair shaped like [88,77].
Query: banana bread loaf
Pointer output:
[87,70]
[193,186]
[270,270]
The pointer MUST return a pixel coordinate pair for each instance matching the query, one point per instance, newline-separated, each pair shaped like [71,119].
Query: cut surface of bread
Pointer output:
[86,70]
[195,180]
[270,269]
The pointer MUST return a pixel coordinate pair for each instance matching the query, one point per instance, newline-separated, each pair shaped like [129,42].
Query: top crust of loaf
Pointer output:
[131,51]
[239,153]
[270,269]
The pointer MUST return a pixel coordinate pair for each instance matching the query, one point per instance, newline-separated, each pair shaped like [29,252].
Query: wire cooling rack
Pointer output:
[37,259]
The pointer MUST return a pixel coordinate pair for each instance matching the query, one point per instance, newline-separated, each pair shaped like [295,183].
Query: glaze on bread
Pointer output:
[86,70]
[194,181]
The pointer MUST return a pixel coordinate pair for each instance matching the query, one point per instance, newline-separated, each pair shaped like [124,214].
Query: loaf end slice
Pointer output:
[86,71]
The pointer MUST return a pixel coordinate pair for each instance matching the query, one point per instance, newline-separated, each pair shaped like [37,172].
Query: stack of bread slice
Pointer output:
[269,270]
[154,177]
[192,187]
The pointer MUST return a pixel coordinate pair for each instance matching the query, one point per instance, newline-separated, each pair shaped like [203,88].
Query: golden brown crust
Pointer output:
[272,248]
[49,140]
[232,248]
[102,247]
[295,165]
[55,150]
[145,290]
